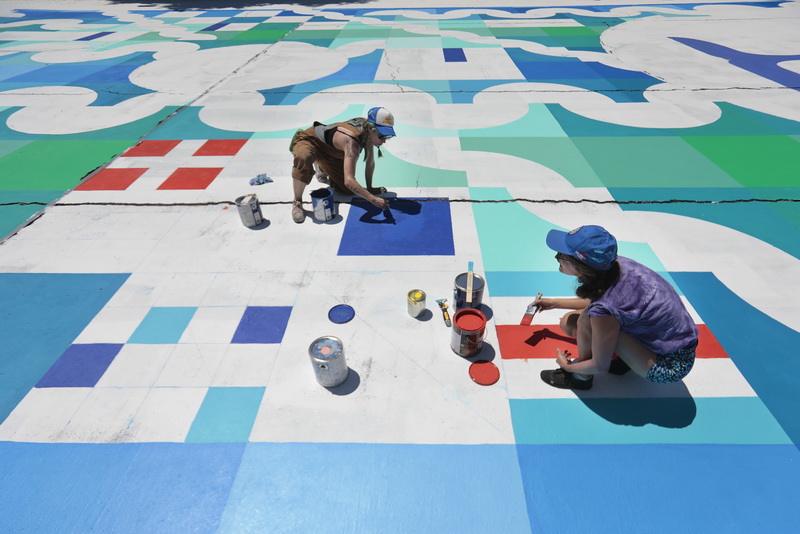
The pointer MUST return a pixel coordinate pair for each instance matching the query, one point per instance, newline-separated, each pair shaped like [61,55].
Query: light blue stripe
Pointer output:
[728,420]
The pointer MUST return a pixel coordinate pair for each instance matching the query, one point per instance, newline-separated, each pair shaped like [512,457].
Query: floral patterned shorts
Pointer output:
[672,366]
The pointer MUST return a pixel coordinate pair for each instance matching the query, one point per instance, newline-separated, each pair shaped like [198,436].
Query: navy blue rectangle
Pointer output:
[94,36]
[454,54]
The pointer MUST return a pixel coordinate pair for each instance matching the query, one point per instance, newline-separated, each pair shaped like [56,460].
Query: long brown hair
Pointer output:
[592,283]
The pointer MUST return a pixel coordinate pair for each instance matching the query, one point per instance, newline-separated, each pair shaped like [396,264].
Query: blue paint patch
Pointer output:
[262,324]
[409,228]
[764,350]
[714,489]
[296,487]
[80,366]
[149,487]
[454,55]
[521,284]
[226,415]
[41,317]
[163,325]
[732,420]
[215,27]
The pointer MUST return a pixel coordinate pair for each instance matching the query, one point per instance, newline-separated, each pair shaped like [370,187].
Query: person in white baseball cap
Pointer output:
[334,149]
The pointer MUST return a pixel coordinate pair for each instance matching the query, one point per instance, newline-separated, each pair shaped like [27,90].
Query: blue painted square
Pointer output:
[226,415]
[80,366]
[409,228]
[454,55]
[163,325]
[94,36]
[262,324]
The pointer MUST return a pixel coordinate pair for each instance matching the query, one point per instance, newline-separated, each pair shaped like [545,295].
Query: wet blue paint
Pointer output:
[663,489]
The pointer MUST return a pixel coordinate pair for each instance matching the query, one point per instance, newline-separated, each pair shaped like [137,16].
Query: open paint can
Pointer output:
[460,291]
[249,210]
[322,204]
[327,357]
[416,302]
[469,327]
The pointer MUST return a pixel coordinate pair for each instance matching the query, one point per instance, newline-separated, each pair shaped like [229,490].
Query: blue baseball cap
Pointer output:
[383,120]
[591,245]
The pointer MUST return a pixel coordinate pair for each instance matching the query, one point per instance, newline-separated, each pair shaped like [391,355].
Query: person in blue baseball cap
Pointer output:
[331,152]
[621,308]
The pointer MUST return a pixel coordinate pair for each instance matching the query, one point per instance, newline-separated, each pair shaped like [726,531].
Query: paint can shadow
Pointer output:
[350,384]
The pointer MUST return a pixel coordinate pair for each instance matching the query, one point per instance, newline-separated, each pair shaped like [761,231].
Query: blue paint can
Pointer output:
[249,210]
[460,292]
[322,204]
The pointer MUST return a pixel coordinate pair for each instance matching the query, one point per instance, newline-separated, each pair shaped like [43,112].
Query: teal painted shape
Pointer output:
[41,316]
[186,124]
[163,325]
[226,415]
[757,219]
[687,420]
[14,215]
[537,122]
[528,283]
[764,350]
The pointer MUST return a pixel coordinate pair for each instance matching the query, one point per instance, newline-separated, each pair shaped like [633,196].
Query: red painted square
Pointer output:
[190,178]
[220,147]
[111,180]
[541,341]
[151,149]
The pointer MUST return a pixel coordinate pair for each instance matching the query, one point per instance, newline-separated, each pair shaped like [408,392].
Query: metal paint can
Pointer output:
[416,302]
[249,210]
[322,204]
[460,291]
[327,358]
[469,327]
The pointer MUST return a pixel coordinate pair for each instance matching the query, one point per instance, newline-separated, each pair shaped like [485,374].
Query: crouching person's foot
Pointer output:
[298,215]
[560,378]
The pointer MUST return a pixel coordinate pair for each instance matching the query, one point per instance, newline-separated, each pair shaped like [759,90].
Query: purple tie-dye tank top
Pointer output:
[647,308]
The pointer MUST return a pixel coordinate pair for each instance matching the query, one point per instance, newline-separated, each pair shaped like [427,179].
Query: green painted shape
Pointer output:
[48,164]
[576,125]
[7,147]
[734,121]
[570,31]
[558,154]
[150,36]
[537,122]
[303,35]
[754,161]
[261,36]
[650,162]
[15,215]
[391,171]
[455,42]
[517,33]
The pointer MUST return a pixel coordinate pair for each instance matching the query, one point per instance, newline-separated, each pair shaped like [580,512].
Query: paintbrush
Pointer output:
[443,305]
[469,282]
[531,311]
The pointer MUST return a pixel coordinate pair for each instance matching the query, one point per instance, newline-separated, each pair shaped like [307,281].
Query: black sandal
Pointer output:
[560,378]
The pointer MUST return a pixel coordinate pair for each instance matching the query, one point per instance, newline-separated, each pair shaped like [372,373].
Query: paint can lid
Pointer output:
[341,313]
[484,372]
[326,348]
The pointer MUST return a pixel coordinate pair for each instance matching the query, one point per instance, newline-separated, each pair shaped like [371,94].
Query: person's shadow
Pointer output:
[374,215]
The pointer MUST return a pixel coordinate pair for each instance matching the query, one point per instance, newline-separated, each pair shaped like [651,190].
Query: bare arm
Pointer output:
[351,152]
[573,303]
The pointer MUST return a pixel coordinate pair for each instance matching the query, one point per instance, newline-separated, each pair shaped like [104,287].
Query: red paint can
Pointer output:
[469,327]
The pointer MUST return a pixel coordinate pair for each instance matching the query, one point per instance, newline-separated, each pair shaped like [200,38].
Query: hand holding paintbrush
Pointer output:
[531,311]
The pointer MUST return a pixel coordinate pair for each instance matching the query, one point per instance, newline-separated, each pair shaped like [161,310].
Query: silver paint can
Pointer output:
[460,291]
[249,210]
[327,358]
[416,302]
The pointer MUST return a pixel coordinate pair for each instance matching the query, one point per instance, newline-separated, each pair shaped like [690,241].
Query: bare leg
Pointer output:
[299,187]
[638,358]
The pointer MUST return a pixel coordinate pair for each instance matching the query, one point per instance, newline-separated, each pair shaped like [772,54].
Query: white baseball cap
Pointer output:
[383,120]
